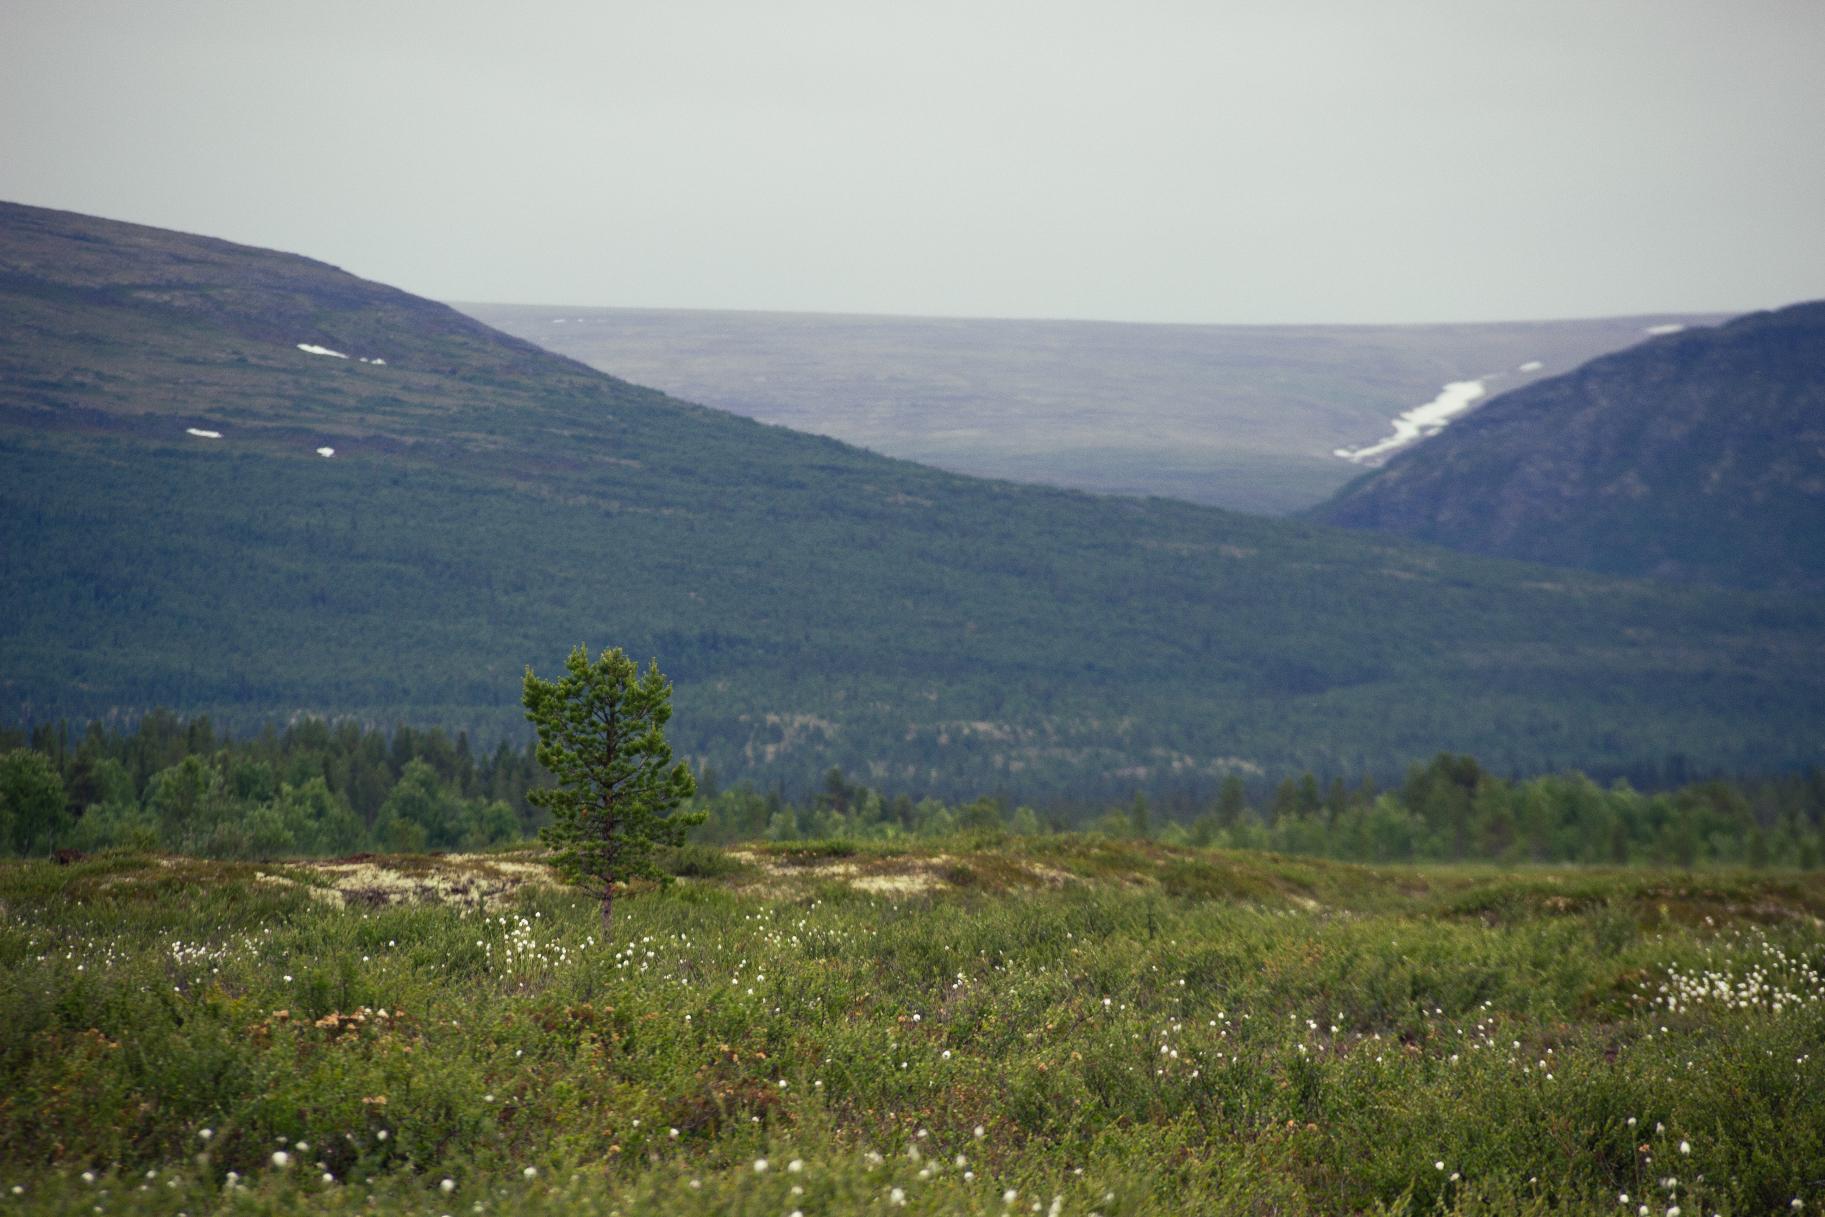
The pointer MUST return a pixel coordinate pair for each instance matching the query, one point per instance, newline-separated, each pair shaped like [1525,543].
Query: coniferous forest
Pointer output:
[317,788]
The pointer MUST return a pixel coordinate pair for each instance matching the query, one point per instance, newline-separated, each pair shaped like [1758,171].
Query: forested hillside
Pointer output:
[1699,456]
[170,535]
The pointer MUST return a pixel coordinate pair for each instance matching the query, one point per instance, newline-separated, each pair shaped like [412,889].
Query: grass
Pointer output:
[1091,1026]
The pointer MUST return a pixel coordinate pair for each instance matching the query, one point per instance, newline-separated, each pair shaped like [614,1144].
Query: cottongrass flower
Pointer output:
[760,1166]
[281,1158]
[447,1186]
[796,1165]
[1685,1147]
[531,1172]
[1009,1196]
[897,1196]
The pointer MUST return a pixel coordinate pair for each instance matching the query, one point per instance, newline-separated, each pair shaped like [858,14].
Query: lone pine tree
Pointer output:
[602,736]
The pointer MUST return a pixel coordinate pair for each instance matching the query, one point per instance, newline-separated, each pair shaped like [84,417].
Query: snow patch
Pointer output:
[1532,365]
[326,452]
[311,348]
[1671,327]
[202,434]
[1421,421]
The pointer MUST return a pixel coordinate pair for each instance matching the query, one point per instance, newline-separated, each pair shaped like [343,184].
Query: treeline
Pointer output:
[318,788]
[310,788]
[1450,809]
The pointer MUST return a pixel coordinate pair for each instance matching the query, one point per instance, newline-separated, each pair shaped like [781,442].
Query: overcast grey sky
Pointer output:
[1291,161]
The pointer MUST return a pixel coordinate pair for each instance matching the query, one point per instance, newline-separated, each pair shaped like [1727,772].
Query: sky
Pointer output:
[1277,161]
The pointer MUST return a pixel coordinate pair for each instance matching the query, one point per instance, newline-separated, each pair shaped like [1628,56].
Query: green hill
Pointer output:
[489,504]
[1698,456]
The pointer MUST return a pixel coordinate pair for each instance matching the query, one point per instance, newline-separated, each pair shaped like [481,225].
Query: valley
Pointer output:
[1243,417]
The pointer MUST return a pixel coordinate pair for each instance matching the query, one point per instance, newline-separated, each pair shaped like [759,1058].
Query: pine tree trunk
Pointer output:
[608,912]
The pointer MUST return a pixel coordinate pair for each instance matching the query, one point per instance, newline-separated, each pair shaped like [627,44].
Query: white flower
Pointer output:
[531,1172]
[206,1133]
[760,1166]
[447,1186]
[281,1158]
[796,1165]
[88,1176]
[1439,1165]
[1685,1147]
[381,1135]
[897,1196]
[1009,1196]
[328,1178]
[980,1132]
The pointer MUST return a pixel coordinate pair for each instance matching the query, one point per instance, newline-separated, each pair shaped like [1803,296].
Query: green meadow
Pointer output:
[982,1025]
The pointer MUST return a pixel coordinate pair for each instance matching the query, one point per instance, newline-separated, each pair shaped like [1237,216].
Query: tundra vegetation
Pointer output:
[1062,1024]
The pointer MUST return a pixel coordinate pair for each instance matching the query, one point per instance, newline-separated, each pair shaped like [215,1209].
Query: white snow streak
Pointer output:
[1421,421]
[326,452]
[1532,365]
[310,348]
[202,434]
[1671,327]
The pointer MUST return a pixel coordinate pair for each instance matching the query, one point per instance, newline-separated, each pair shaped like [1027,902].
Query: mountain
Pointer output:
[170,534]
[1697,456]
[1248,417]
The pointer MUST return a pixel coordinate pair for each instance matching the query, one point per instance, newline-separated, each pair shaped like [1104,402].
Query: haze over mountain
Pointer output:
[1697,456]
[243,482]
[1249,417]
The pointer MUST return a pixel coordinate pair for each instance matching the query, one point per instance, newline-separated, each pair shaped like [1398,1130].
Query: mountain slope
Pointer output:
[1697,456]
[1241,416]
[488,504]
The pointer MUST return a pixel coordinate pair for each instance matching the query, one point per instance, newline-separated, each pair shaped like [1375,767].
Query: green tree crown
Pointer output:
[601,730]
